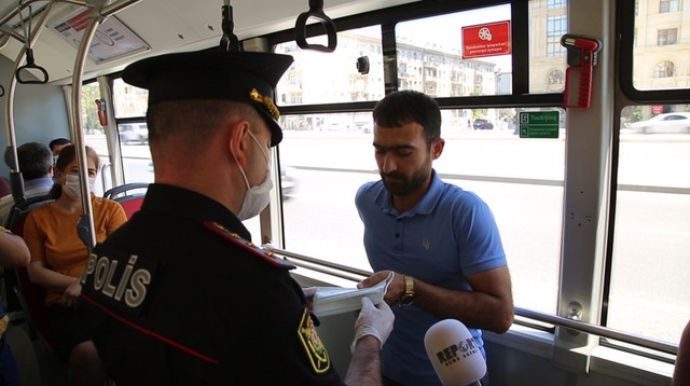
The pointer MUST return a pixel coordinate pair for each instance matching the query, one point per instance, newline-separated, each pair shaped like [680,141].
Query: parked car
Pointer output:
[483,124]
[668,123]
[134,132]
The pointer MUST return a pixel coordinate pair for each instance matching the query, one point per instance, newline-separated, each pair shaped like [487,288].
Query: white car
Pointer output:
[134,132]
[670,123]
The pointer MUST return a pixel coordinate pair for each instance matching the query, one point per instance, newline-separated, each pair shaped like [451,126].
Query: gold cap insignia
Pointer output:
[266,101]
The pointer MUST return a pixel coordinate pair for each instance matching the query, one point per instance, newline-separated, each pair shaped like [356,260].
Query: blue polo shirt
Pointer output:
[450,234]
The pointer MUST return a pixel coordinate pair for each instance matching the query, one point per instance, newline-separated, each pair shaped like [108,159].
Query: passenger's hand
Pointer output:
[374,320]
[71,295]
[396,287]
[309,293]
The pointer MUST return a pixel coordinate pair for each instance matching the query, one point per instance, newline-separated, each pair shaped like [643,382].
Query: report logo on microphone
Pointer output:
[455,352]
[455,355]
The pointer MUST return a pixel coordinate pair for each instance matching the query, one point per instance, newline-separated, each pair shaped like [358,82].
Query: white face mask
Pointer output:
[257,197]
[72,187]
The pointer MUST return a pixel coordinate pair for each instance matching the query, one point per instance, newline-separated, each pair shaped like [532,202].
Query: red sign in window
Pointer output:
[486,40]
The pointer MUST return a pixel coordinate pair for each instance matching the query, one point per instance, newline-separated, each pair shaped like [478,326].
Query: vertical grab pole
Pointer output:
[16,180]
[86,227]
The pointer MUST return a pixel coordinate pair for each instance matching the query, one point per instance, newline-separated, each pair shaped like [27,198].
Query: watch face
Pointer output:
[407,299]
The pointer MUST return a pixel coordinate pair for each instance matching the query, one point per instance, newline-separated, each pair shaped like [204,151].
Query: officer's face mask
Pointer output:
[72,188]
[257,197]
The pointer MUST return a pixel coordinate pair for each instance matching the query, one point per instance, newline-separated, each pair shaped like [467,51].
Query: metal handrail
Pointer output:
[606,332]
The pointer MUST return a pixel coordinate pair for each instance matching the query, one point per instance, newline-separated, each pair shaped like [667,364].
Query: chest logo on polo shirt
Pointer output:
[315,350]
[426,244]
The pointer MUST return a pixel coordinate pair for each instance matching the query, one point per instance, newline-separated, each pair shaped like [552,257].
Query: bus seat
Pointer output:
[19,211]
[131,205]
[31,298]
[131,202]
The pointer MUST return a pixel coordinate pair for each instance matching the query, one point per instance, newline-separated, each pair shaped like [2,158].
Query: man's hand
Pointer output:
[396,287]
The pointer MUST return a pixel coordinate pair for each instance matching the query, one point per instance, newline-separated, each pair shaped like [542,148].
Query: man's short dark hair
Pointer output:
[58,142]
[34,158]
[402,107]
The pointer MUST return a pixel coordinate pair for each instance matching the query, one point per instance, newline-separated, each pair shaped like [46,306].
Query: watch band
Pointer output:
[409,284]
[408,297]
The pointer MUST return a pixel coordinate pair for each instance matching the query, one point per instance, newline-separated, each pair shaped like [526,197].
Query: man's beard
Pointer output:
[406,185]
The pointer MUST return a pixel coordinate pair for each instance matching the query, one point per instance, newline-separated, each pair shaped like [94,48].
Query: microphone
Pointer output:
[453,353]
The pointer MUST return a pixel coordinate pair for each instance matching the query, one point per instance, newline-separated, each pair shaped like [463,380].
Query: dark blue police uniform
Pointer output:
[176,297]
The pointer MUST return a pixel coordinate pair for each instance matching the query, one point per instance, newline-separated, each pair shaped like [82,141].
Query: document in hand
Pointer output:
[337,300]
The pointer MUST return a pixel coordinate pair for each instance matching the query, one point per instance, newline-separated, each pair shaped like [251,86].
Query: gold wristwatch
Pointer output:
[408,297]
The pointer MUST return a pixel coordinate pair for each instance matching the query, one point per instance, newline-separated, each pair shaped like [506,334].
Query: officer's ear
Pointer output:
[238,144]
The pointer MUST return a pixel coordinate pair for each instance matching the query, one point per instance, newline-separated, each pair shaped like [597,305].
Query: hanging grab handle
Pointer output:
[30,64]
[316,11]
[229,41]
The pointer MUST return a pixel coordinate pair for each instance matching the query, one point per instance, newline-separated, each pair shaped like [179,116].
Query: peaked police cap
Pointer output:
[248,77]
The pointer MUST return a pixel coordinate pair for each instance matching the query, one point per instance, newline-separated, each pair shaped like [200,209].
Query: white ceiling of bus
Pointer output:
[170,25]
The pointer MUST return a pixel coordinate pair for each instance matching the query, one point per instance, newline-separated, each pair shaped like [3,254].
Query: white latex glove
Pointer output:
[373,320]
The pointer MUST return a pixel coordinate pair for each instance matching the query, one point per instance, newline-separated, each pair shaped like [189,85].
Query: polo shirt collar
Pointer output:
[425,205]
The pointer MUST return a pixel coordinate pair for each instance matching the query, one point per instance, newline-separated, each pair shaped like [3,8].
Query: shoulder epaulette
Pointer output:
[256,250]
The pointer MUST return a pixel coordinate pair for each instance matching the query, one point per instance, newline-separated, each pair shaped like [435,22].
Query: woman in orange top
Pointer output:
[58,259]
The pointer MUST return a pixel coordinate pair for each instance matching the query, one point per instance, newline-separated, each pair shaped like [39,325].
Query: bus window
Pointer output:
[547,57]
[136,155]
[328,156]
[660,54]
[316,78]
[94,134]
[433,58]
[647,295]
[129,101]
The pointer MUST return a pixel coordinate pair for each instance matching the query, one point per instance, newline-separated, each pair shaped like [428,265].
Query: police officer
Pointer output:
[178,295]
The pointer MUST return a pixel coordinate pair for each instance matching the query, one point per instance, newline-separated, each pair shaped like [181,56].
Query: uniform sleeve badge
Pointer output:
[314,348]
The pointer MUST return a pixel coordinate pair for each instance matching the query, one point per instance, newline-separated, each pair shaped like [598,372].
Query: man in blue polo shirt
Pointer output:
[441,241]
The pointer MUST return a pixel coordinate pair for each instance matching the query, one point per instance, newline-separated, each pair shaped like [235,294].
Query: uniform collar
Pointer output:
[192,205]
[424,206]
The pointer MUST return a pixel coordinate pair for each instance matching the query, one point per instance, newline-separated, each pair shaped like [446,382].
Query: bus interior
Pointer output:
[592,205]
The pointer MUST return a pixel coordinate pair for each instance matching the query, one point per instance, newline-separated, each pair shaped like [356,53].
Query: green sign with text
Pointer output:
[538,124]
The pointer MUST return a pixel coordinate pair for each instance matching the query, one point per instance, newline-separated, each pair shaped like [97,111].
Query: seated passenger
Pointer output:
[58,144]
[35,162]
[58,259]
[13,253]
